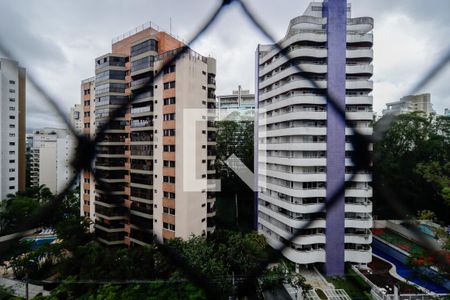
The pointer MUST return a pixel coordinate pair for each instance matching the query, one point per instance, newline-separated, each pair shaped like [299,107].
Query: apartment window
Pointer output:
[12,126]
[203,87]
[12,99]
[12,108]
[11,187]
[169,85]
[12,82]
[12,117]
[169,117]
[11,161]
[87,92]
[12,135]
[12,178]
[169,195]
[12,170]
[169,69]
[169,226]
[169,148]
[169,101]
[87,103]
[169,179]
[12,143]
[168,210]
[169,163]
[169,132]
[12,90]
[203,72]
[87,125]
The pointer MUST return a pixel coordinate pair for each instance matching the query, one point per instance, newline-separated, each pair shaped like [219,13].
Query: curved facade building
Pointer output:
[303,145]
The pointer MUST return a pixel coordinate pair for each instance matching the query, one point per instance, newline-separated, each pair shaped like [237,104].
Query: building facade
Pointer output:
[50,161]
[141,190]
[76,117]
[12,118]
[87,181]
[411,103]
[241,101]
[303,146]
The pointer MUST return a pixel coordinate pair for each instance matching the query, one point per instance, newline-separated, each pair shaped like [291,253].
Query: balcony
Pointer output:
[142,179]
[140,83]
[143,210]
[142,150]
[141,167]
[144,194]
[144,109]
[141,124]
[143,96]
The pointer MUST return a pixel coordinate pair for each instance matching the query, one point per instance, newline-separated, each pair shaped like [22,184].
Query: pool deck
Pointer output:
[399,241]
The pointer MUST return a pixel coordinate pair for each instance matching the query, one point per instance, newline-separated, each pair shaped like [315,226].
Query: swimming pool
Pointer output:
[423,228]
[37,241]
[408,273]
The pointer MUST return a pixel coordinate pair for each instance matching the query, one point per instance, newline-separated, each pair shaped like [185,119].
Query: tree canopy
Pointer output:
[412,165]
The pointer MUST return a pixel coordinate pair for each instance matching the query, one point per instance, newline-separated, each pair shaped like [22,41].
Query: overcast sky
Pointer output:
[58,40]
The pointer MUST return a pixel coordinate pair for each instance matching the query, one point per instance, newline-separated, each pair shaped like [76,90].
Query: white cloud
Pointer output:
[59,48]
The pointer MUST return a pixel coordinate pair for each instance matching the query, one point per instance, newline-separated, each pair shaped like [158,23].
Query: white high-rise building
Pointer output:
[303,150]
[12,122]
[51,156]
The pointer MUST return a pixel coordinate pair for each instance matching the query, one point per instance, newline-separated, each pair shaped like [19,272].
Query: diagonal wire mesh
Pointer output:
[86,153]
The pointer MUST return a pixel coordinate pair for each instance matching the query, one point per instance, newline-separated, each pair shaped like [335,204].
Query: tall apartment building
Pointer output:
[411,103]
[51,154]
[239,100]
[87,181]
[12,118]
[140,161]
[303,149]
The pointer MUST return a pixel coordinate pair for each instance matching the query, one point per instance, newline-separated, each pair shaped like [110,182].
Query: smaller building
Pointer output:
[76,118]
[411,103]
[50,157]
[447,112]
[240,101]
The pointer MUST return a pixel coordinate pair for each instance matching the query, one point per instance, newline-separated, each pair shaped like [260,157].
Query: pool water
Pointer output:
[409,274]
[37,241]
[423,228]
[428,230]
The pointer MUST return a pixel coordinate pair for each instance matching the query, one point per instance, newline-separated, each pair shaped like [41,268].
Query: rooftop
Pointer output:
[142,27]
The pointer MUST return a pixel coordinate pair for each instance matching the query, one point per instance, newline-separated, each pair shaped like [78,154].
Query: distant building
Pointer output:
[29,145]
[447,112]
[76,117]
[411,103]
[51,156]
[239,101]
[12,116]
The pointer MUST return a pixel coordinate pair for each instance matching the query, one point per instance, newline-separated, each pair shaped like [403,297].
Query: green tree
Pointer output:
[406,153]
